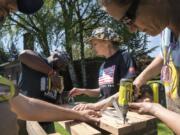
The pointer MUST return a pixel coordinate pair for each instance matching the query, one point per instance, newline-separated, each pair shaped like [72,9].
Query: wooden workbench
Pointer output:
[111,124]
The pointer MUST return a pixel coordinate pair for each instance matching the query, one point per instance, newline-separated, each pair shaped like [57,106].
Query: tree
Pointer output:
[44,26]
[79,17]
[88,17]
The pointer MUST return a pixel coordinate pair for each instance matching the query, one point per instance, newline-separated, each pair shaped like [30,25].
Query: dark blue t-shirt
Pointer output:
[30,84]
[120,65]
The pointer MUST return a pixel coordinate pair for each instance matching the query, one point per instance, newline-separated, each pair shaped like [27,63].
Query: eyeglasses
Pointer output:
[130,16]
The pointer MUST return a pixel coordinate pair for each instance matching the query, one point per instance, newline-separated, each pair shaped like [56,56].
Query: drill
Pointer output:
[152,89]
[125,96]
[155,90]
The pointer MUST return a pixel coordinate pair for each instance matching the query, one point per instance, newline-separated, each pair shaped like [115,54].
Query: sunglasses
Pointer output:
[130,15]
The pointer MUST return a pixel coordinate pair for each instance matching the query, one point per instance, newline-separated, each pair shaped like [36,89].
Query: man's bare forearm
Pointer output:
[37,110]
[32,60]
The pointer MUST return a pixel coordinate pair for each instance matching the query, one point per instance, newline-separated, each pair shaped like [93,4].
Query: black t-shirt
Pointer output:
[30,84]
[120,65]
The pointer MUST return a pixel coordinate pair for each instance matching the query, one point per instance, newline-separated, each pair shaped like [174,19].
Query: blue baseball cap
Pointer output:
[29,6]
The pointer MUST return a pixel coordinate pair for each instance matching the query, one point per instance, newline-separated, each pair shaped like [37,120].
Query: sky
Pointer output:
[154,41]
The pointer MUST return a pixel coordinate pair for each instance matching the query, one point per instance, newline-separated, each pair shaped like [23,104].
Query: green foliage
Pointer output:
[45,26]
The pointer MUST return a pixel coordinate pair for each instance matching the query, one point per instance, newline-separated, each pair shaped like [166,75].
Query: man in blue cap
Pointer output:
[14,105]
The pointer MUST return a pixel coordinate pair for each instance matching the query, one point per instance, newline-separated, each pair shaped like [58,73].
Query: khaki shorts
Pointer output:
[8,120]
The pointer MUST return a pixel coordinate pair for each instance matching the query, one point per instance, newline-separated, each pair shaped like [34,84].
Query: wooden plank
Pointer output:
[143,117]
[33,128]
[55,134]
[110,122]
[113,124]
[79,128]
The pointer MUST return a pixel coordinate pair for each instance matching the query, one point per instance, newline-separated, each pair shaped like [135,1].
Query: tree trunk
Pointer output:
[83,70]
[83,66]
[73,75]
[81,32]
[28,41]
[67,9]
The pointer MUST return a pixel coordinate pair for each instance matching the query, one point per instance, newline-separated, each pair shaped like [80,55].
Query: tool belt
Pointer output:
[7,89]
